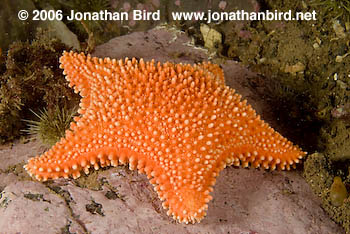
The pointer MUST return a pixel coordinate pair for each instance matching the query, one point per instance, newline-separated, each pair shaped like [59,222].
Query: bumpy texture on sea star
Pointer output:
[178,123]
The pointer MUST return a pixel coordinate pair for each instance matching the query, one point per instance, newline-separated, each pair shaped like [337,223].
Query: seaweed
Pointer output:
[333,9]
[32,80]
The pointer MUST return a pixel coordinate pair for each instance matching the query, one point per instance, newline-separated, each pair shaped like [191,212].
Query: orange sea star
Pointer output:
[178,123]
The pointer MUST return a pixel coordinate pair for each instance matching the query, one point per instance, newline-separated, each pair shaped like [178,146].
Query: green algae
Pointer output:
[18,170]
[331,9]
[5,202]
[61,192]
[35,197]
[90,181]
[113,195]
[32,80]
[94,208]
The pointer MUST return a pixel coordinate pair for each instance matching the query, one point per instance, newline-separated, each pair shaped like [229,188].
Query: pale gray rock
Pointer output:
[29,207]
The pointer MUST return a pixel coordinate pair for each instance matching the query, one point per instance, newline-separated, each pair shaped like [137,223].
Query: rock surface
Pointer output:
[117,200]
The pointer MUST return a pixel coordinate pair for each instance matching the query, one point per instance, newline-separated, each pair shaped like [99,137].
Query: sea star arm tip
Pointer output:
[178,124]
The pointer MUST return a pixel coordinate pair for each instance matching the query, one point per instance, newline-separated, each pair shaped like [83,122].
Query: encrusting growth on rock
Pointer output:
[178,123]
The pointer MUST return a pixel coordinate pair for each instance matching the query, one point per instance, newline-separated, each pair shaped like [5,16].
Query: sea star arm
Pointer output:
[178,123]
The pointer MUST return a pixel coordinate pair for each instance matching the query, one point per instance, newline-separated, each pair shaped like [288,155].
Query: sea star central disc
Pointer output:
[178,123]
